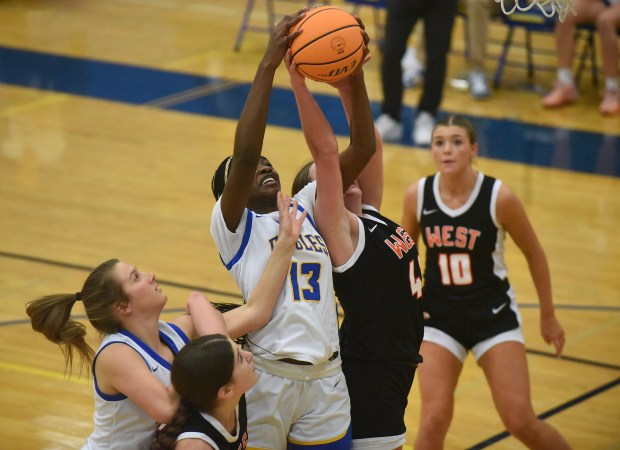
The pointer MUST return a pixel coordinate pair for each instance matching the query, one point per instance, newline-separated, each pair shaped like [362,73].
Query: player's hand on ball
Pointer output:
[280,39]
[297,79]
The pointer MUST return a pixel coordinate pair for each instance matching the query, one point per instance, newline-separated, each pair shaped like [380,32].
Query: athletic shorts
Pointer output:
[310,412]
[379,393]
[474,326]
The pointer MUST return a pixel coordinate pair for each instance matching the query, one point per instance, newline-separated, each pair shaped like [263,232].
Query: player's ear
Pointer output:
[224,392]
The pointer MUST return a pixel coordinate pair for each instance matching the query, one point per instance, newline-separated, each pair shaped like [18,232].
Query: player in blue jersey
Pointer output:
[212,373]
[131,368]
[463,216]
[301,398]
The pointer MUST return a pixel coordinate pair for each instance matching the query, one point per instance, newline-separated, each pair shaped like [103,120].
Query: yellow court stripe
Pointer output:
[29,106]
[42,373]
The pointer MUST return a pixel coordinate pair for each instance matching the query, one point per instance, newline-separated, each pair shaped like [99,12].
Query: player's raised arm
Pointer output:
[252,123]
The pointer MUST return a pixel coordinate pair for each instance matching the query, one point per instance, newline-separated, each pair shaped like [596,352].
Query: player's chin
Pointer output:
[255,377]
[271,190]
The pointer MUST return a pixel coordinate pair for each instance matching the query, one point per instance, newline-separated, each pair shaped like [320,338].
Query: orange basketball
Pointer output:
[331,45]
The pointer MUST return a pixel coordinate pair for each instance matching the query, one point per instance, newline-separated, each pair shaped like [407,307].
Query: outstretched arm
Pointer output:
[330,213]
[259,307]
[338,227]
[253,122]
[371,177]
[512,217]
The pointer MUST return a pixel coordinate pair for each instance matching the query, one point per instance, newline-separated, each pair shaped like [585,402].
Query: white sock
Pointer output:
[565,76]
[611,84]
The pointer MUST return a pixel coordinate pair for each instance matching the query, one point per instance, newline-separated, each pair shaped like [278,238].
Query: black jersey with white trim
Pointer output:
[379,289]
[206,428]
[464,246]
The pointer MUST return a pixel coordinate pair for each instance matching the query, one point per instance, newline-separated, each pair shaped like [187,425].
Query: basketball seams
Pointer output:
[323,63]
[322,36]
[308,17]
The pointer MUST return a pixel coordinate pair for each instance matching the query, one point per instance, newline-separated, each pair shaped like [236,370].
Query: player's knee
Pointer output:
[520,423]
[437,420]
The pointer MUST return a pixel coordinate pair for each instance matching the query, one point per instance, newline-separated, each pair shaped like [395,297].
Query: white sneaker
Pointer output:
[413,70]
[423,128]
[389,129]
[478,85]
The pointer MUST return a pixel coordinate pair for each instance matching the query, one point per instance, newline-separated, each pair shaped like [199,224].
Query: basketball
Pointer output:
[331,45]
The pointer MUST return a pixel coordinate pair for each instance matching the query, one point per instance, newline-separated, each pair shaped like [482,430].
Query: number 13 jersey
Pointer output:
[304,323]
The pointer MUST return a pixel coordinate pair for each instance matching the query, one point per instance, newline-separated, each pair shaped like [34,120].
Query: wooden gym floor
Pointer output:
[113,117]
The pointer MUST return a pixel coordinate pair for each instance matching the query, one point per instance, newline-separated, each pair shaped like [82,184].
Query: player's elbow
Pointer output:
[252,319]
[368,149]
[258,320]
[166,412]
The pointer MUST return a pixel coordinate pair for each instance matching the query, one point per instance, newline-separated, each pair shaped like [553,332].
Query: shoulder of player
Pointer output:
[107,361]
[508,204]
[411,192]
[410,201]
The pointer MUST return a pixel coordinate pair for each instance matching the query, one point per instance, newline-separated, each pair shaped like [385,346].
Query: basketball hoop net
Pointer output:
[548,7]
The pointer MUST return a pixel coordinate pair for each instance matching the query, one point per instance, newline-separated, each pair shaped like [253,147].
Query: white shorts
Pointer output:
[313,411]
[379,443]
[457,349]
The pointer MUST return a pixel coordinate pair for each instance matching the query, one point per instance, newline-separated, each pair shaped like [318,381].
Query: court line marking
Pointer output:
[238,296]
[214,87]
[574,359]
[498,437]
[52,262]
[567,157]
[483,444]
[81,267]
[575,307]
[47,100]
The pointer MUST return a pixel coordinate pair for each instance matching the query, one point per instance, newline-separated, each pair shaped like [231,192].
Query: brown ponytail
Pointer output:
[51,314]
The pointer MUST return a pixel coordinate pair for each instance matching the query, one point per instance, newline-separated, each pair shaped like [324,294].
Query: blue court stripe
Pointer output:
[90,78]
[501,139]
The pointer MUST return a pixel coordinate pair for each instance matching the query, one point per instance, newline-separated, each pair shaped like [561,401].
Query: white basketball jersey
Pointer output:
[304,323]
[119,423]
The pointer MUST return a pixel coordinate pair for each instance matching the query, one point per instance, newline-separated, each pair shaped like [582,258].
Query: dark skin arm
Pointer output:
[253,122]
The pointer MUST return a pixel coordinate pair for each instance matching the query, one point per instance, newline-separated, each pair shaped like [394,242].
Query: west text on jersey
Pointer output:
[447,236]
[400,244]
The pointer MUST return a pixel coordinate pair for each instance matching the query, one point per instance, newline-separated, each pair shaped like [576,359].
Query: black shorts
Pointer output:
[472,321]
[378,392]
